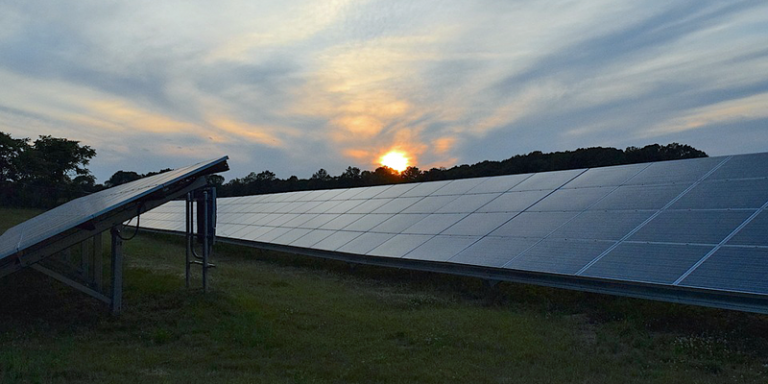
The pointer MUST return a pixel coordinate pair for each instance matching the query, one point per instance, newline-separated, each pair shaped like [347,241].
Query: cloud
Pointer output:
[296,85]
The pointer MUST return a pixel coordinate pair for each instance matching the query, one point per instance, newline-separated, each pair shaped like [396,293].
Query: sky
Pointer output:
[295,86]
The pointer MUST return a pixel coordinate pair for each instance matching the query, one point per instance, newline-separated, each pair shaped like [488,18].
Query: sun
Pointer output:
[395,160]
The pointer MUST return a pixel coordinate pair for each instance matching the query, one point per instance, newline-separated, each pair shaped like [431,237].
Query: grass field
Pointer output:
[279,318]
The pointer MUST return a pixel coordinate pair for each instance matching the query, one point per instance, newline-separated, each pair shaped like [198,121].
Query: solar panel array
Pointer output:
[77,212]
[698,223]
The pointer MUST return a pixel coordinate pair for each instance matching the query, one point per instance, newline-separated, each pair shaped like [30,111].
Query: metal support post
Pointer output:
[206,248]
[97,264]
[189,235]
[117,271]
[200,229]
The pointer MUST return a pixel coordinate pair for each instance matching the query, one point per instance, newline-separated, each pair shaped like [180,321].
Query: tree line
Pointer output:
[537,161]
[49,171]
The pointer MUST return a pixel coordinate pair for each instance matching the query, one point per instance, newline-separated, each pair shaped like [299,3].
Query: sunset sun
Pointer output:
[395,160]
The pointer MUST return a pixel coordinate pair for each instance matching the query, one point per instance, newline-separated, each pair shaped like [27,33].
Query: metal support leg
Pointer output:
[117,271]
[189,237]
[97,264]
[206,248]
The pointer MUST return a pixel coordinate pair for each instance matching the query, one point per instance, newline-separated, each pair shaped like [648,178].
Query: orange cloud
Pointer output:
[443,145]
[253,133]
[358,126]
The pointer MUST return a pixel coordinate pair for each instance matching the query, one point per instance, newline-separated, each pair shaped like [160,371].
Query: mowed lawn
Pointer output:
[280,318]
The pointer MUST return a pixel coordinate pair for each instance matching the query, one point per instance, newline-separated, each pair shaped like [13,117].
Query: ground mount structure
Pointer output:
[74,230]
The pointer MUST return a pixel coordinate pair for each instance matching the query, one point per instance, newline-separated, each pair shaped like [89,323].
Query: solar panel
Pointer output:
[690,231]
[79,212]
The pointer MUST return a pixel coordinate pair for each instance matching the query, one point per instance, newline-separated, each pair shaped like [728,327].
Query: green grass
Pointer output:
[280,318]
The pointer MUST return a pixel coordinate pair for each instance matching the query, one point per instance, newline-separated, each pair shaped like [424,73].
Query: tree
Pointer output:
[411,174]
[10,150]
[60,159]
[122,177]
[215,180]
[321,174]
[351,173]
[46,168]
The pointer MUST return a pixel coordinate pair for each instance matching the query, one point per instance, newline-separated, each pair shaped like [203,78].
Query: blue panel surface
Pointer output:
[547,180]
[601,225]
[577,199]
[743,167]
[755,233]
[650,197]
[565,257]
[479,224]
[725,194]
[441,248]
[399,245]
[695,227]
[514,201]
[650,263]
[499,183]
[677,171]
[733,269]
[492,251]
[534,224]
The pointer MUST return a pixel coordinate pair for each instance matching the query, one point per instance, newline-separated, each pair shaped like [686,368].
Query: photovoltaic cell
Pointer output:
[733,269]
[498,184]
[457,187]
[399,245]
[442,248]
[399,223]
[727,194]
[467,203]
[601,225]
[435,223]
[652,197]
[368,206]
[367,222]
[565,257]
[533,224]
[396,191]
[479,224]
[429,204]
[365,243]
[743,167]
[492,251]
[514,201]
[577,199]
[547,180]
[291,236]
[336,240]
[607,176]
[397,205]
[652,263]
[425,189]
[691,227]
[371,192]
[341,221]
[755,233]
[676,171]
[312,238]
